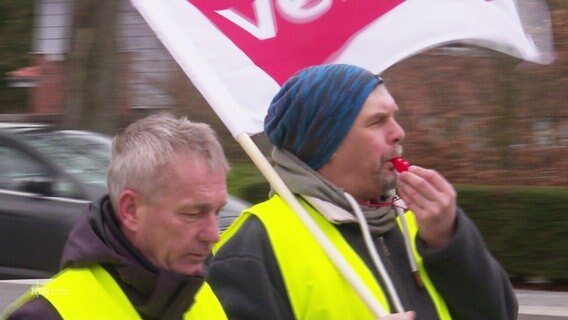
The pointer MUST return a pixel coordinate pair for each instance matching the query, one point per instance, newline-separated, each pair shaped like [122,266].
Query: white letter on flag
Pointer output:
[266,25]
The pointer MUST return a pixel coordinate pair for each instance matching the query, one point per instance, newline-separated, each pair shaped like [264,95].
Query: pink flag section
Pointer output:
[295,35]
[238,52]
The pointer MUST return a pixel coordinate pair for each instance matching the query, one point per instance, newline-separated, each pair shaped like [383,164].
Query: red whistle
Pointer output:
[400,165]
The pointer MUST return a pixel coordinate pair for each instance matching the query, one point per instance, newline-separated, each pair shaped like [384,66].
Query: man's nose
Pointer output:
[397,132]
[210,228]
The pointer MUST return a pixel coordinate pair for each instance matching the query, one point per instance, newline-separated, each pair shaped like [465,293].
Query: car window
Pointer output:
[18,170]
[77,159]
[16,166]
[92,147]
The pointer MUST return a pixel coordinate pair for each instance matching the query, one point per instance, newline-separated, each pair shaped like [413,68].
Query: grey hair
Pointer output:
[142,154]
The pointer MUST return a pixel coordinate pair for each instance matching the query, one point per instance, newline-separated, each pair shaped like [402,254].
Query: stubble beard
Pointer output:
[386,183]
[385,180]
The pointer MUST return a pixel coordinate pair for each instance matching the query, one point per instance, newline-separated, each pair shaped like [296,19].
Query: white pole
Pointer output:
[337,259]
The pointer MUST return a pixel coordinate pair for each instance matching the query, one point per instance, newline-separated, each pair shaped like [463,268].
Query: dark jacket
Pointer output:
[96,239]
[246,278]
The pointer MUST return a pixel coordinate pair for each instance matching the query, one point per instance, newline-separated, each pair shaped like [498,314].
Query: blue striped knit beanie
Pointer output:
[314,110]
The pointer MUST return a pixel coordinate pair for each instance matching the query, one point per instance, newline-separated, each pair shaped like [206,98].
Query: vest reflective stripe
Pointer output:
[439,303]
[315,288]
[92,293]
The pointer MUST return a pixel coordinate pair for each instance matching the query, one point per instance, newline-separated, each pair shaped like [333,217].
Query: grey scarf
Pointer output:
[301,179]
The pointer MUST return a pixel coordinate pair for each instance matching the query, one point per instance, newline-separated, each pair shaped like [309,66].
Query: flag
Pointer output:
[239,52]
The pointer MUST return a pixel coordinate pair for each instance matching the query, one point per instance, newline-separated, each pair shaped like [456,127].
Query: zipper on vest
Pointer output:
[384,246]
[417,277]
[403,296]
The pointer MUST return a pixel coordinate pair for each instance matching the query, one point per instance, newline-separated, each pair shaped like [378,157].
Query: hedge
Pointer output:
[526,228]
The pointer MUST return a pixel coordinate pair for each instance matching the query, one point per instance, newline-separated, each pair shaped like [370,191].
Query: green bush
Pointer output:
[526,228]
[246,181]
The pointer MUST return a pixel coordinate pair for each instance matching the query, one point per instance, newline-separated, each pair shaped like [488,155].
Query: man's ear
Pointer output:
[128,204]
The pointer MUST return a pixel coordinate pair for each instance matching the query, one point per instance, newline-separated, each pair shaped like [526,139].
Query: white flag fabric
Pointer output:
[239,52]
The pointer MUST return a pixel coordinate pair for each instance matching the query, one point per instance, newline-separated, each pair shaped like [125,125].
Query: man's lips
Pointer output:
[199,256]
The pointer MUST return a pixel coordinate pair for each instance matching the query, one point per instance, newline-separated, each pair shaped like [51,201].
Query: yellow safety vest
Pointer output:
[315,288]
[92,293]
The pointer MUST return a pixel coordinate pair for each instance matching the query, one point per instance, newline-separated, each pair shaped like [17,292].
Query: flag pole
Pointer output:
[284,192]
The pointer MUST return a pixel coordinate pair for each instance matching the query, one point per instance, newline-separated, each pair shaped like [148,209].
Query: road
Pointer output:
[534,305]
[542,305]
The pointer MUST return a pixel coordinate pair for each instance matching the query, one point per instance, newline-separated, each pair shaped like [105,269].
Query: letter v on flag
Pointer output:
[238,52]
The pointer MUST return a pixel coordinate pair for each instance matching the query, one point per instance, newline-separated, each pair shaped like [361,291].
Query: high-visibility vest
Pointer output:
[316,289]
[92,293]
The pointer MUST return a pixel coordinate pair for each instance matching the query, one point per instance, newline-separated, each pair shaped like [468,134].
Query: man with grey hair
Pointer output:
[140,251]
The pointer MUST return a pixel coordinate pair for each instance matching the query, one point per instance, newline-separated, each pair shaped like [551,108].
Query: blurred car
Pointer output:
[47,179]
[231,211]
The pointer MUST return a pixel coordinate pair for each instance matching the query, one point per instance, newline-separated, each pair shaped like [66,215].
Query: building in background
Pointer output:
[496,120]
[145,65]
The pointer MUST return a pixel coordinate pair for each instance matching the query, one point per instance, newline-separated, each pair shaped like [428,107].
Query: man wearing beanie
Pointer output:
[334,133]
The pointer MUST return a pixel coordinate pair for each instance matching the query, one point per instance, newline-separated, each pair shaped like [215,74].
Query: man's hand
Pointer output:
[410,315]
[433,200]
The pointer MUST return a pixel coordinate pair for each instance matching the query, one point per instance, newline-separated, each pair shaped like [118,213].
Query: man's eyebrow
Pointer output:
[394,111]
[202,205]
[378,115]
